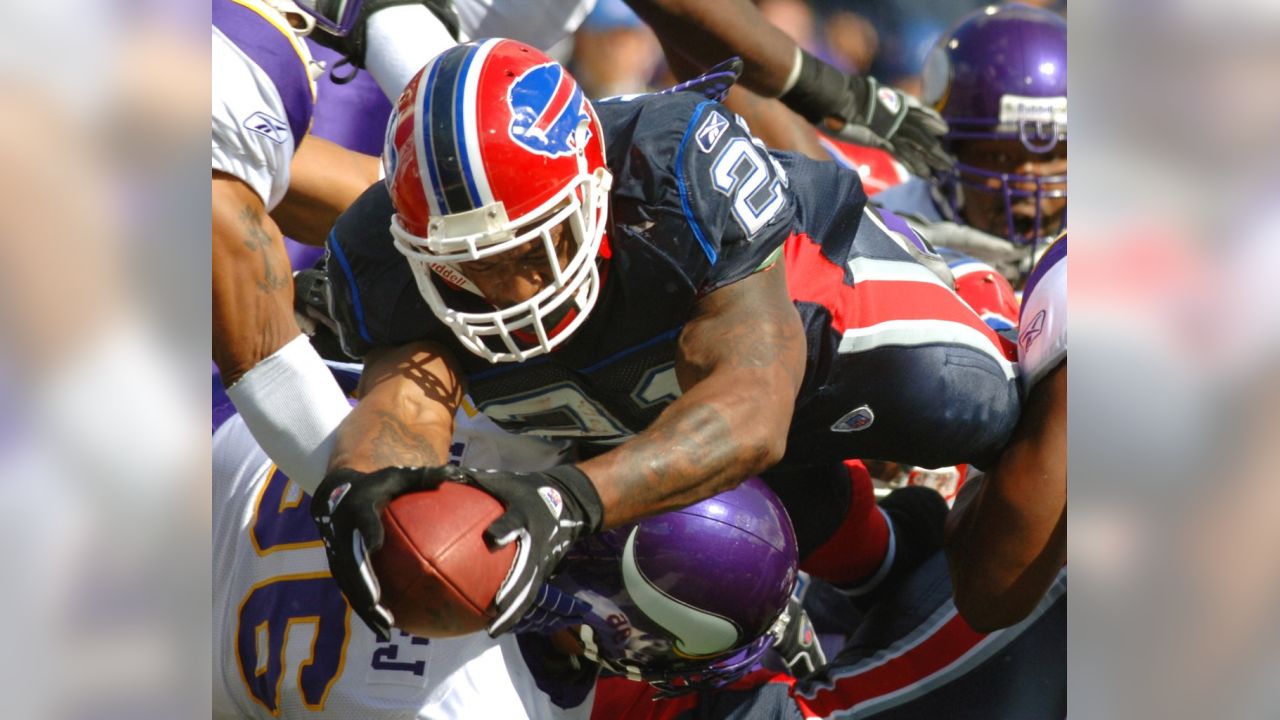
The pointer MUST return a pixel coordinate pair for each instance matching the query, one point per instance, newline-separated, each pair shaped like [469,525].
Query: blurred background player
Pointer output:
[999,78]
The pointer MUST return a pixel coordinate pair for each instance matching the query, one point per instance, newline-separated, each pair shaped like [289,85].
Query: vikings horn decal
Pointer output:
[698,633]
[546,110]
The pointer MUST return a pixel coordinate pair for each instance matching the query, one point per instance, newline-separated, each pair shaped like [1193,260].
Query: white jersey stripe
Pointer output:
[470,134]
[865,269]
[922,332]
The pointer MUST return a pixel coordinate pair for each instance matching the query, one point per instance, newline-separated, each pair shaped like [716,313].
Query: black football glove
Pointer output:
[871,114]
[347,507]
[546,512]
[353,44]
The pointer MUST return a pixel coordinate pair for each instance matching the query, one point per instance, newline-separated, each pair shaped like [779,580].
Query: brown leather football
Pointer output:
[438,577]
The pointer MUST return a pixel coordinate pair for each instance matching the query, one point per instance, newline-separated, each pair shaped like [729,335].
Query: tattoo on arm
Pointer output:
[259,240]
[698,439]
[397,445]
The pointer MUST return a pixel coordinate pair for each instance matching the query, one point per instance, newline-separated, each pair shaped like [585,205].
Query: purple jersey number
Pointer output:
[267,616]
[272,609]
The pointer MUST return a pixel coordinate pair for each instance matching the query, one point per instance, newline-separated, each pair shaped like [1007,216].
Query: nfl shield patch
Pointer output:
[855,420]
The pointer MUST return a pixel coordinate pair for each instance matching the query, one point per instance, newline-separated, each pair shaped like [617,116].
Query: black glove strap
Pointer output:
[579,490]
[821,91]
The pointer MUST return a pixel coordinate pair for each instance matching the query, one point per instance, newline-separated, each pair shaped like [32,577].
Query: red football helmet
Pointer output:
[491,146]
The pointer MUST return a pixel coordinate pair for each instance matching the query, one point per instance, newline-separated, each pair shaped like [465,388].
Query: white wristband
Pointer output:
[293,407]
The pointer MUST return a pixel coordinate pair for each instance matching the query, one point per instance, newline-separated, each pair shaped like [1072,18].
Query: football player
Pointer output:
[912,656]
[643,277]
[263,100]
[644,597]
[999,78]
[284,643]
[1006,538]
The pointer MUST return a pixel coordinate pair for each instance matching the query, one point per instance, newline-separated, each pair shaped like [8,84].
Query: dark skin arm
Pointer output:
[324,179]
[408,398]
[1006,537]
[252,282]
[740,362]
[252,278]
[708,32]
[770,120]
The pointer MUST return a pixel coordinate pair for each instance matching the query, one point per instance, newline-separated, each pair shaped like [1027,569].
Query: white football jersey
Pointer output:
[286,643]
[263,95]
[1042,325]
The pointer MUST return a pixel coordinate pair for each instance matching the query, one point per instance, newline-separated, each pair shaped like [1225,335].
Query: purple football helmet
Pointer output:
[334,16]
[689,599]
[1000,74]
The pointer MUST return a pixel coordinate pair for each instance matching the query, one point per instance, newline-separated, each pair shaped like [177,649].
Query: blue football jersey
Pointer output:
[897,366]
[697,204]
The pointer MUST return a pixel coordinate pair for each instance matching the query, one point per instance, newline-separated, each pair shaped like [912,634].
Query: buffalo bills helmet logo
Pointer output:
[546,110]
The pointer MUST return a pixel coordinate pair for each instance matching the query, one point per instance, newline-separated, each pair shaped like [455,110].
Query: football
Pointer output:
[438,577]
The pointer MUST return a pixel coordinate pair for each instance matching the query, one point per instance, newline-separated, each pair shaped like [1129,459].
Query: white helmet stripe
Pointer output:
[478,179]
[697,632]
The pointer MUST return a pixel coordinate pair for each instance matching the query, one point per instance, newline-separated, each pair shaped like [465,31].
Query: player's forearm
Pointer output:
[375,437]
[775,124]
[408,398]
[252,284]
[1003,555]
[324,179]
[1006,536]
[708,32]
[710,439]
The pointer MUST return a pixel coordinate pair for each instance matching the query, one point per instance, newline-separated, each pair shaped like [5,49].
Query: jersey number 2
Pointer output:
[742,171]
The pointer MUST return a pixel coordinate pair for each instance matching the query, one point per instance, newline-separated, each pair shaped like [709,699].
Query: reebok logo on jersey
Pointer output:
[1032,331]
[272,128]
[858,419]
[552,498]
[710,131]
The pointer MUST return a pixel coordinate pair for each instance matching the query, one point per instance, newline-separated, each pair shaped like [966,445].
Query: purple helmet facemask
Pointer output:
[690,599]
[1001,74]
